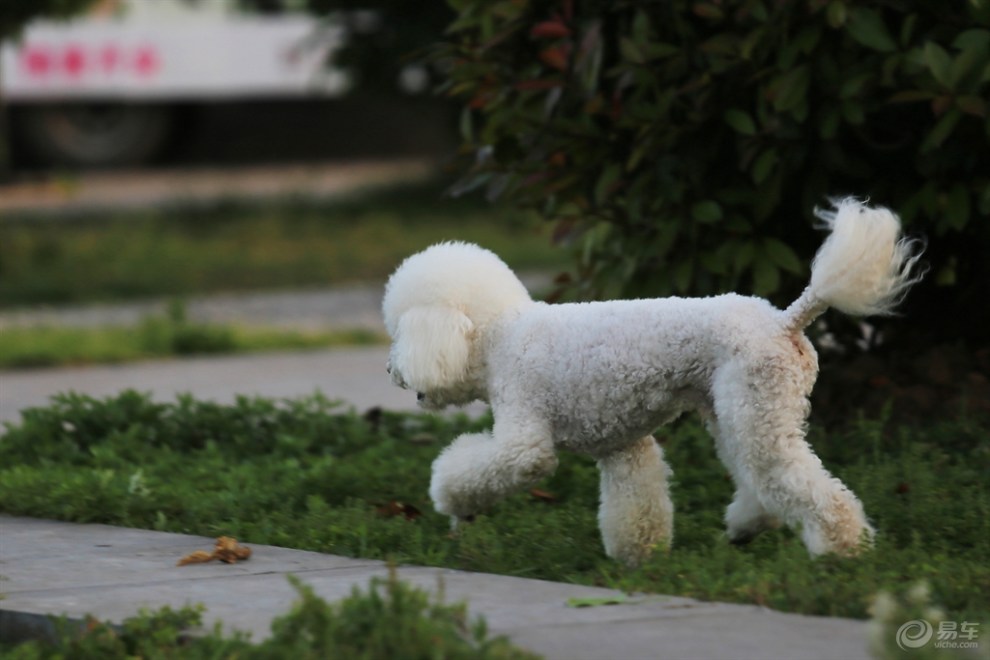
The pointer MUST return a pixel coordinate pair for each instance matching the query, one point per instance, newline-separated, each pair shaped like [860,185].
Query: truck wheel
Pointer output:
[93,134]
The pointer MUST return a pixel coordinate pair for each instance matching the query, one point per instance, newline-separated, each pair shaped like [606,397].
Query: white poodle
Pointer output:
[599,378]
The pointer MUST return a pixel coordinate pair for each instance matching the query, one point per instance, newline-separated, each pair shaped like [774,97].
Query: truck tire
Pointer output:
[93,135]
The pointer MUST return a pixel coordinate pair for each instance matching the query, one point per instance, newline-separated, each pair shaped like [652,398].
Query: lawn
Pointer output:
[307,474]
[159,336]
[238,246]
[230,246]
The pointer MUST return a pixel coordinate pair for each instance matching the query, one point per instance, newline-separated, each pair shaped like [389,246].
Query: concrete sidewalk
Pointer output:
[111,572]
[353,375]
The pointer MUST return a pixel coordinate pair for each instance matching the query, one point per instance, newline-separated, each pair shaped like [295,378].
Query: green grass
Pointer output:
[248,246]
[305,474]
[389,620]
[157,337]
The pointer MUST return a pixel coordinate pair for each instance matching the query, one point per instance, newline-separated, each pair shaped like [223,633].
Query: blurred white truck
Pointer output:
[101,90]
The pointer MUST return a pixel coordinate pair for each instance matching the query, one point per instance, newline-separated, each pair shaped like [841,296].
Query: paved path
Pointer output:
[355,375]
[110,572]
[346,307]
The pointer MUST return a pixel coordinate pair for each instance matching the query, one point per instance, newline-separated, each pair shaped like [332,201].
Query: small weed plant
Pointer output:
[388,620]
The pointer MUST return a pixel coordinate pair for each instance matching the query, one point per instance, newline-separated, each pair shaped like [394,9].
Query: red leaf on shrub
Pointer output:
[706,10]
[879,381]
[562,231]
[535,178]
[550,30]
[940,104]
[555,58]
[480,100]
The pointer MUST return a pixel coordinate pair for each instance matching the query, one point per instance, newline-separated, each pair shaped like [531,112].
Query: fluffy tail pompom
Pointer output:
[864,268]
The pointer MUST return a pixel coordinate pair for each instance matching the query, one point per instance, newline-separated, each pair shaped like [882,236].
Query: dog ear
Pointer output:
[432,347]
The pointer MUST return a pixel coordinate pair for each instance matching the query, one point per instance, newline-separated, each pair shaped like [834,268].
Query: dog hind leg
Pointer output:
[636,514]
[760,428]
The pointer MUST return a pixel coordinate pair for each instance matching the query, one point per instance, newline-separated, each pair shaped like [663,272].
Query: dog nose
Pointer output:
[420,396]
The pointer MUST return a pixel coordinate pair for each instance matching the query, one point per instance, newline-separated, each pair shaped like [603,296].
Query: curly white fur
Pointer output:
[598,378]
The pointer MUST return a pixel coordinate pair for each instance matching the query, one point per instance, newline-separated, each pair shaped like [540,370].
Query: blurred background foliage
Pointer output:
[14,15]
[681,146]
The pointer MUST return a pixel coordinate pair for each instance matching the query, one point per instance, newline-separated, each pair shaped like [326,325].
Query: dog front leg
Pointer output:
[636,514]
[478,469]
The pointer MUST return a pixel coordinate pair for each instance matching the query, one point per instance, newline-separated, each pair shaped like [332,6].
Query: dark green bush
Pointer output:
[681,146]
[15,15]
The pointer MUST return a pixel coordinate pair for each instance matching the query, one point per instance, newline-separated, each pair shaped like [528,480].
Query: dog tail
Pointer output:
[864,267]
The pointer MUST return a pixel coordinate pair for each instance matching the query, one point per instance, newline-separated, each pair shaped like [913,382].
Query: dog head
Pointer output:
[437,304]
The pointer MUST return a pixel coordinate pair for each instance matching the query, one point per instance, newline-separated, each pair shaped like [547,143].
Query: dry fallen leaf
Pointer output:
[226,550]
[198,557]
[543,495]
[395,508]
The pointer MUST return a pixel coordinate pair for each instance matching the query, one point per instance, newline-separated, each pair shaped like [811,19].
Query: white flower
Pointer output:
[884,607]
[919,593]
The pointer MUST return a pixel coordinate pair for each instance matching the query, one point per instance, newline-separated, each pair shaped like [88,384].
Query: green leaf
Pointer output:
[641,29]
[942,130]
[967,67]
[829,127]
[789,91]
[938,62]
[764,165]
[683,275]
[836,14]
[740,121]
[977,38]
[854,85]
[706,211]
[782,255]
[853,113]
[467,125]
[766,277]
[907,29]
[957,208]
[714,261]
[744,256]
[605,182]
[867,27]
[596,602]
[972,105]
[631,51]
